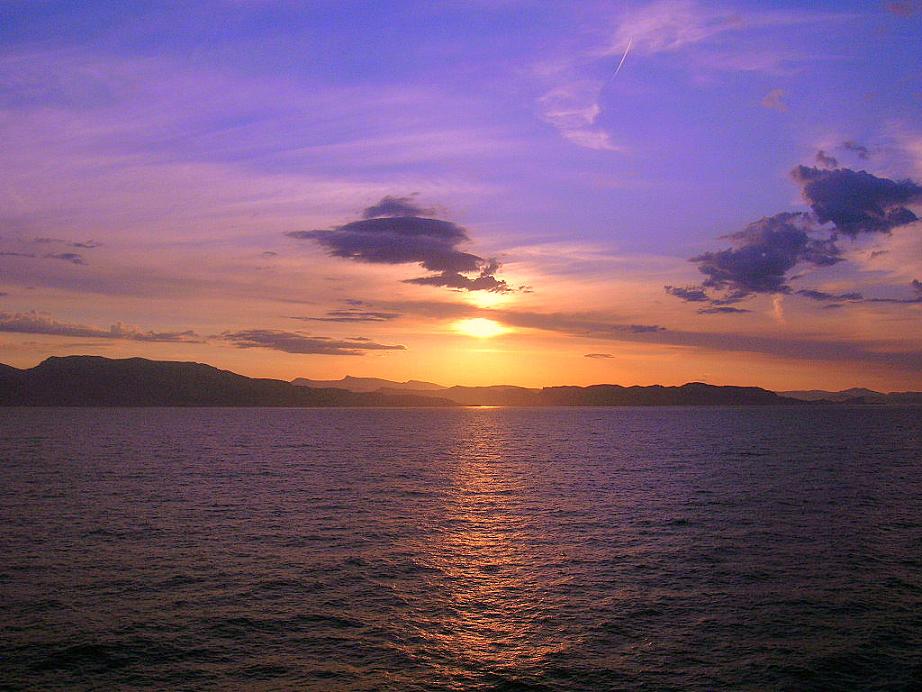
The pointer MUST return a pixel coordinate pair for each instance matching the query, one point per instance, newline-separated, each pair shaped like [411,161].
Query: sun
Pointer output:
[480,327]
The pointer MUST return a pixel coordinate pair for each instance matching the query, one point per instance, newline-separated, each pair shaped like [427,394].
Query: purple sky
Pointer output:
[315,189]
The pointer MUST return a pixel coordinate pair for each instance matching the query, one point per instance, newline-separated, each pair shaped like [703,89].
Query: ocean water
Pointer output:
[474,548]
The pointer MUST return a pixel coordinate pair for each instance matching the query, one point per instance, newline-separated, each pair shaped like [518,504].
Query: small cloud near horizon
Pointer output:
[298,342]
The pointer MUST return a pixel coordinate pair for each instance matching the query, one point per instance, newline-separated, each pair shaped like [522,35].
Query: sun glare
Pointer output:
[480,327]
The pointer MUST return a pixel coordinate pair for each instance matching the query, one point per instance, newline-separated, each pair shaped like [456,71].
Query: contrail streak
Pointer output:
[620,64]
[623,57]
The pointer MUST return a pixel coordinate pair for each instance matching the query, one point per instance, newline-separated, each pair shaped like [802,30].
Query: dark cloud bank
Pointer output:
[843,202]
[397,231]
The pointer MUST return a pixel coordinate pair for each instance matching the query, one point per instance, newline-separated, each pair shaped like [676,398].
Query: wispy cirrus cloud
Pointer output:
[704,38]
[573,109]
[676,26]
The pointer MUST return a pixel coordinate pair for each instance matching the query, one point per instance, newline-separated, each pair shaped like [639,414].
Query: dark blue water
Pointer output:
[470,548]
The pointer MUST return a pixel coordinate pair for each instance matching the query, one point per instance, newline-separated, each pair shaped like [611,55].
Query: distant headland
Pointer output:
[98,381]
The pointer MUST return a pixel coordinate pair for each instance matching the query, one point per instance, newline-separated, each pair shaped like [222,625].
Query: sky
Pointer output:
[531,193]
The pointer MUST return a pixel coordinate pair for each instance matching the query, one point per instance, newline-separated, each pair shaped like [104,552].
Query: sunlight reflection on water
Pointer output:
[469,548]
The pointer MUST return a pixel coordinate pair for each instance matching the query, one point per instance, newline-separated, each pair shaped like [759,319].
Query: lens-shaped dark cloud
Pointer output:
[297,342]
[392,232]
[600,356]
[857,202]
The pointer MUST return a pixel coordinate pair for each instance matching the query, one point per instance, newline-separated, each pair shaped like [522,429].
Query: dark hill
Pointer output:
[857,395]
[497,395]
[97,381]
[691,394]
[367,384]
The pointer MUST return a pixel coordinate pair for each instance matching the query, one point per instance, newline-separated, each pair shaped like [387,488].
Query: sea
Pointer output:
[686,548]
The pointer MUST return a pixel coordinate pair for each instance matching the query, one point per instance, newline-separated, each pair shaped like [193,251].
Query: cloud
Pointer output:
[298,342]
[670,26]
[774,100]
[573,110]
[764,252]
[599,356]
[855,201]
[485,281]
[673,26]
[384,238]
[828,297]
[33,322]
[690,294]
[721,310]
[855,297]
[609,328]
[85,245]
[576,324]
[71,257]
[861,150]
[916,286]
[395,206]
[690,32]
[352,314]
[826,161]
